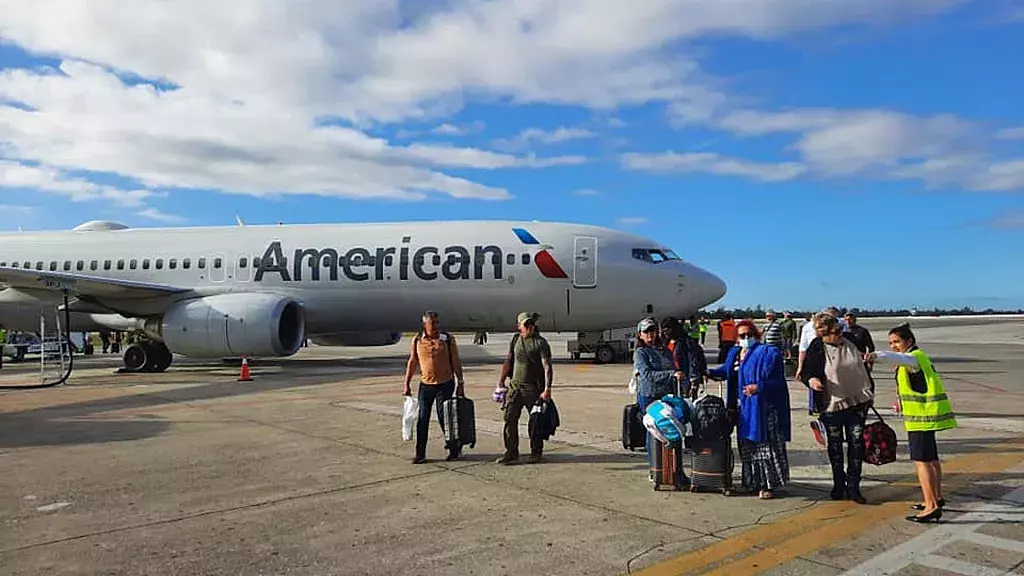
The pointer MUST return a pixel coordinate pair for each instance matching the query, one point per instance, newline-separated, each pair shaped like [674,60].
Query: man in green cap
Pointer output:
[529,363]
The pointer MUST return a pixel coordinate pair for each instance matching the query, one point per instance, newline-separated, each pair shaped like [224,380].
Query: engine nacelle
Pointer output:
[228,325]
[358,339]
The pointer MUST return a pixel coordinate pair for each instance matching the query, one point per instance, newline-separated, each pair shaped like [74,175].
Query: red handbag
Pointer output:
[879,440]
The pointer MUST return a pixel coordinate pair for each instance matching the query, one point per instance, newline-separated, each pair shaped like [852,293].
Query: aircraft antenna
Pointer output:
[239,220]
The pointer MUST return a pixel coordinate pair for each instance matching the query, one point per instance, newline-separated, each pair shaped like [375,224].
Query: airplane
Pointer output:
[261,290]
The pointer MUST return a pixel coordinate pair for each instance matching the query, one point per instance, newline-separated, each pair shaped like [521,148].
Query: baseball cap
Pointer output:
[646,324]
[526,316]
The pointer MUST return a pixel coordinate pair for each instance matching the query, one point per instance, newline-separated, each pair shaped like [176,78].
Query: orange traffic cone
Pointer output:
[245,376]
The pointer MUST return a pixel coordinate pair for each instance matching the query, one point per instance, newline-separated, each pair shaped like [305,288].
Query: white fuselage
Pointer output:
[373,277]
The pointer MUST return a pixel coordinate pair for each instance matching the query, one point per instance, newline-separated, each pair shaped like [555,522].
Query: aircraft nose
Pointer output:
[710,288]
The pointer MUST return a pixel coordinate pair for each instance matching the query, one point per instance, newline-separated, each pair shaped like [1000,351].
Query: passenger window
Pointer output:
[145,263]
[526,259]
[120,264]
[159,263]
[243,262]
[173,264]
[186,263]
[80,265]
[3,264]
[67,265]
[133,264]
[437,259]
[53,266]
[107,264]
[202,263]
[510,259]
[39,265]
[94,265]
[217,262]
[255,262]
[14,264]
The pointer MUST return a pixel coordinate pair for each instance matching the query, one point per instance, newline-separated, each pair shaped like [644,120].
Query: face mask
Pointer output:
[746,342]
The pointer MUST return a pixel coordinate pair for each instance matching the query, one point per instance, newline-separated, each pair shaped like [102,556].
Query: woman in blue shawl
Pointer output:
[757,382]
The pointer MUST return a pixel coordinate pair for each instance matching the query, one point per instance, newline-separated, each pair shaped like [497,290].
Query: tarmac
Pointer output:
[304,471]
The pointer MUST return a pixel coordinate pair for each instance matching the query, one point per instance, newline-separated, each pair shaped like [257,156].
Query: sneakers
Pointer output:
[536,458]
[419,460]
[506,460]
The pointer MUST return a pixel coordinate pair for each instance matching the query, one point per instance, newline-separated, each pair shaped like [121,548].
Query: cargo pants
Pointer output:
[516,400]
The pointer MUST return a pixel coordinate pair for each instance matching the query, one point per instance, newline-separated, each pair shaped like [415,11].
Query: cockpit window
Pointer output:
[654,255]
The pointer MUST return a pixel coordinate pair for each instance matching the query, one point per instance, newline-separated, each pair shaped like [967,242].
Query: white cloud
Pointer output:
[254,82]
[160,216]
[938,150]
[560,134]
[711,163]
[530,136]
[1011,133]
[454,130]
[15,209]
[632,220]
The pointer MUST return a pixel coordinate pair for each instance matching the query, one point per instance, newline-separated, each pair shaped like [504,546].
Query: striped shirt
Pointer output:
[773,334]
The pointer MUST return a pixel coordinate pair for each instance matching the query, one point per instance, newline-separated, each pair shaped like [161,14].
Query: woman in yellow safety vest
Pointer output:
[926,410]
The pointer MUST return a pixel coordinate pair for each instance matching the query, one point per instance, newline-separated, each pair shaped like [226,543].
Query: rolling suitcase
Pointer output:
[634,435]
[667,467]
[712,459]
[458,416]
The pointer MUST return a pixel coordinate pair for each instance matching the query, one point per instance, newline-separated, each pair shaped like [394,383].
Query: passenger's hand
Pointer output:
[406,391]
[546,394]
[871,357]
[816,384]
[750,389]
[460,390]
[679,375]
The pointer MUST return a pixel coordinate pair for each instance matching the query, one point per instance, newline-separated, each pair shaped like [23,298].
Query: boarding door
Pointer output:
[244,270]
[584,266]
[218,268]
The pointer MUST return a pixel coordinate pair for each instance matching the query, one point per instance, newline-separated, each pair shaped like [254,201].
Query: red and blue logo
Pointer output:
[543,259]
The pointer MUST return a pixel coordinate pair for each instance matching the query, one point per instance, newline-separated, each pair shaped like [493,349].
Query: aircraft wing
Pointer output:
[84,286]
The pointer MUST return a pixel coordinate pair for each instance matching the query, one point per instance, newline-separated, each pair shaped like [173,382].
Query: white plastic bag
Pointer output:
[410,414]
[632,385]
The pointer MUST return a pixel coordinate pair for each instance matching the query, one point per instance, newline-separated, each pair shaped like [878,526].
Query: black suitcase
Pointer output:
[458,416]
[667,467]
[634,434]
[711,464]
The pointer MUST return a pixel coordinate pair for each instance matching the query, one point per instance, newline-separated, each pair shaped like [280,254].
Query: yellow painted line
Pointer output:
[770,545]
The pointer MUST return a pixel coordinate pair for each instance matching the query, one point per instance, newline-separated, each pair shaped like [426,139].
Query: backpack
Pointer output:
[711,422]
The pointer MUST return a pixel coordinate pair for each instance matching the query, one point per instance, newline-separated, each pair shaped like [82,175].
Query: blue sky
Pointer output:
[853,152]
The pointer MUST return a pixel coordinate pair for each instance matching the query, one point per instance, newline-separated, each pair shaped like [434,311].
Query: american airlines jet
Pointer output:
[215,292]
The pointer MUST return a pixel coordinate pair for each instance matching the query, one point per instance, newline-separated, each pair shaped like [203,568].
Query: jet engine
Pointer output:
[357,339]
[231,325]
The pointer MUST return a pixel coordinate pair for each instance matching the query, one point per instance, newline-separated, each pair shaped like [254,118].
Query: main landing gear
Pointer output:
[146,356]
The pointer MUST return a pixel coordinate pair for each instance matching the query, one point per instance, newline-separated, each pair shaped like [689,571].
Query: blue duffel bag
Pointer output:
[667,418]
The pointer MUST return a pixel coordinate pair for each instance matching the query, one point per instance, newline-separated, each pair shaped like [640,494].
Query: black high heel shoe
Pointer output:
[932,516]
[942,504]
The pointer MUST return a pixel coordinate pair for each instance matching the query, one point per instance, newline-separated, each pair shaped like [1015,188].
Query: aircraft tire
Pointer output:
[135,357]
[161,357]
[605,355]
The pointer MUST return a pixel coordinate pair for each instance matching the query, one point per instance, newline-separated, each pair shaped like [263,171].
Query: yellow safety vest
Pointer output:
[928,411]
[703,327]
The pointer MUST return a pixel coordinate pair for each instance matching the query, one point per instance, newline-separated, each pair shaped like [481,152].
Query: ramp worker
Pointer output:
[528,362]
[726,336]
[926,410]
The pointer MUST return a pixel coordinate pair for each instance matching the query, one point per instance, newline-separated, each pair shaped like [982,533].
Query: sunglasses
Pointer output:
[745,335]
